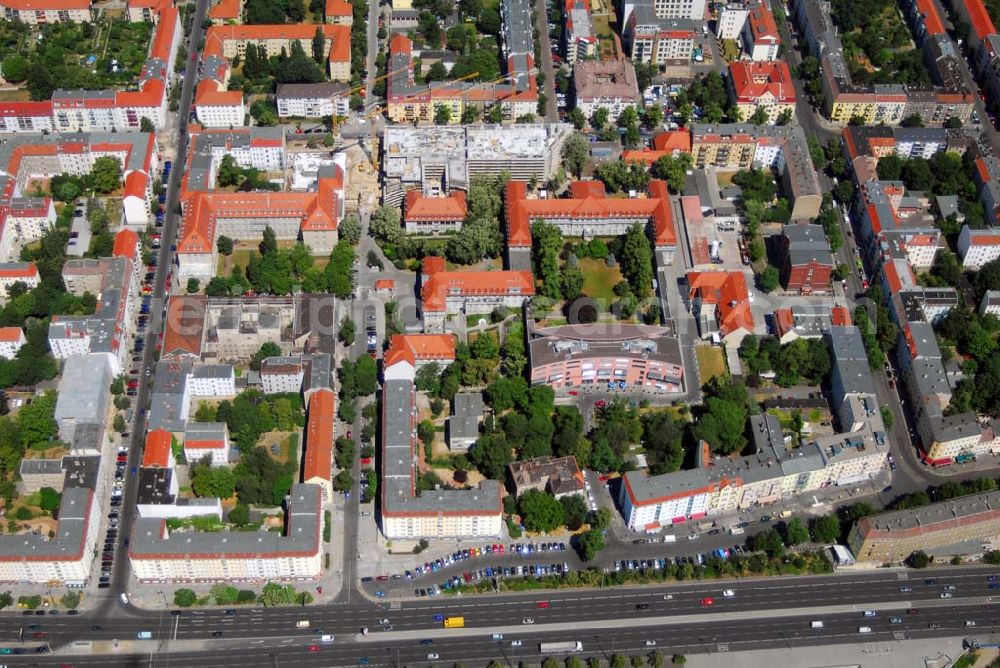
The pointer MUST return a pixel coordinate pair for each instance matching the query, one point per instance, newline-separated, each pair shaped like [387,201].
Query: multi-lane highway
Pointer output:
[760,613]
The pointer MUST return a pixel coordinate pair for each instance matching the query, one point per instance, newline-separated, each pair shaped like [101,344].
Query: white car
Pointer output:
[650,643]
[515,643]
[527,620]
[668,597]
[433,655]
[728,593]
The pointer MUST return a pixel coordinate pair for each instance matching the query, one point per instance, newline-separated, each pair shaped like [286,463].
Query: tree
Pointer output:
[346,332]
[209,481]
[185,598]
[106,174]
[119,424]
[275,594]
[428,378]
[436,72]
[575,510]
[240,515]
[589,544]
[796,532]
[577,118]
[350,229]
[385,225]
[267,349]
[637,261]
[769,279]
[146,125]
[491,454]
[489,22]
[673,170]
[36,423]
[918,559]
[318,44]
[193,285]
[40,82]
[15,69]
[825,529]
[768,541]
[224,243]
[575,153]
[442,115]
[540,511]
[49,499]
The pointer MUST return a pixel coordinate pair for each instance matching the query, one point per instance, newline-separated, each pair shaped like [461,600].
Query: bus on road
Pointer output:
[454,622]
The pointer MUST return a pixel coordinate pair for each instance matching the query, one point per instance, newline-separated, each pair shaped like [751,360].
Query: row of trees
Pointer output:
[357,379]
[293,67]
[253,413]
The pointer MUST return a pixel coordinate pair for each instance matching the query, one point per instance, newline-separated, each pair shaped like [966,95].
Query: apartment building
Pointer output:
[990,303]
[655,40]
[407,514]
[339,12]
[761,85]
[759,37]
[887,104]
[439,160]
[317,468]
[732,18]
[807,321]
[638,358]
[408,352]
[26,117]
[731,147]
[158,555]
[579,40]
[673,9]
[229,41]
[720,303]
[11,340]
[66,557]
[108,331]
[14,273]
[83,394]
[207,439]
[42,12]
[605,84]
[808,262]
[318,100]
[312,216]
[977,247]
[467,412]
[587,212]
[957,527]
[558,476]
[447,293]
[217,107]
[434,215]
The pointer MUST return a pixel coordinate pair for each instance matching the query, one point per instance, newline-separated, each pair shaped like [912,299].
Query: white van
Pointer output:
[864,629]
[144,635]
[302,624]
[326,638]
[124,599]
[735,531]
[816,625]
[670,538]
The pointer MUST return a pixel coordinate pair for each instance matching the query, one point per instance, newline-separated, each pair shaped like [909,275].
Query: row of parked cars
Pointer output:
[494,573]
[695,560]
[522,549]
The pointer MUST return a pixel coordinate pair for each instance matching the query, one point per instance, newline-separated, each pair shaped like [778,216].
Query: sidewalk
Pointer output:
[935,653]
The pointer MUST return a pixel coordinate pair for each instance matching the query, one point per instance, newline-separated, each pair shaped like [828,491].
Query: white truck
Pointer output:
[560,647]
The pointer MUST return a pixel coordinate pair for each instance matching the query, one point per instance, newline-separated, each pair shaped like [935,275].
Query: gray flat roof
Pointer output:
[942,511]
[83,389]
[467,411]
[68,543]
[399,464]
[302,535]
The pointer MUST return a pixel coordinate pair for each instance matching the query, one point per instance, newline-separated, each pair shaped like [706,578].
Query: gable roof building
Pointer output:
[720,302]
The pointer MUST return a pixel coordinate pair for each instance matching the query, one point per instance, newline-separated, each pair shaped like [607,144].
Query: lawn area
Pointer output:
[226,264]
[606,48]
[729,49]
[287,443]
[711,363]
[599,280]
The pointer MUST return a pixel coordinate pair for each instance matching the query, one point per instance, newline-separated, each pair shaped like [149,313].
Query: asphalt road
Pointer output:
[156,325]
[606,621]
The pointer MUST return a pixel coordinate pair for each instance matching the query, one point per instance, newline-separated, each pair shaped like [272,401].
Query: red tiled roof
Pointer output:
[728,291]
[753,80]
[157,452]
[932,20]
[319,436]
[439,284]
[420,208]
[185,322]
[23,108]
[385,284]
[225,10]
[28,271]
[414,348]
[588,201]
[136,184]
[338,8]
[665,143]
[783,321]
[982,24]
[340,36]
[762,25]
[126,242]
[11,334]
[840,315]
[211,93]
[213,444]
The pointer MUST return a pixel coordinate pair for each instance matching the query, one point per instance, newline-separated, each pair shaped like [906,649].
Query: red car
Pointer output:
[366,461]
[350,434]
[312,648]
[543,604]
[600,403]
[707,601]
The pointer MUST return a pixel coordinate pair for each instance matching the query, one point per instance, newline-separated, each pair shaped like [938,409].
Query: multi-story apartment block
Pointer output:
[990,304]
[317,100]
[806,321]
[579,38]
[783,148]
[731,20]
[41,12]
[447,293]
[443,159]
[609,85]
[656,40]
[13,273]
[26,117]
[11,340]
[229,41]
[317,468]
[281,374]
[641,359]
[439,513]
[763,85]
[977,247]
[673,9]
[467,411]
[339,12]
[808,262]
[878,104]
[408,352]
[217,107]
[296,554]
[760,39]
[954,527]
[225,12]
[588,211]
[83,394]
[434,215]
[207,439]
[312,216]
